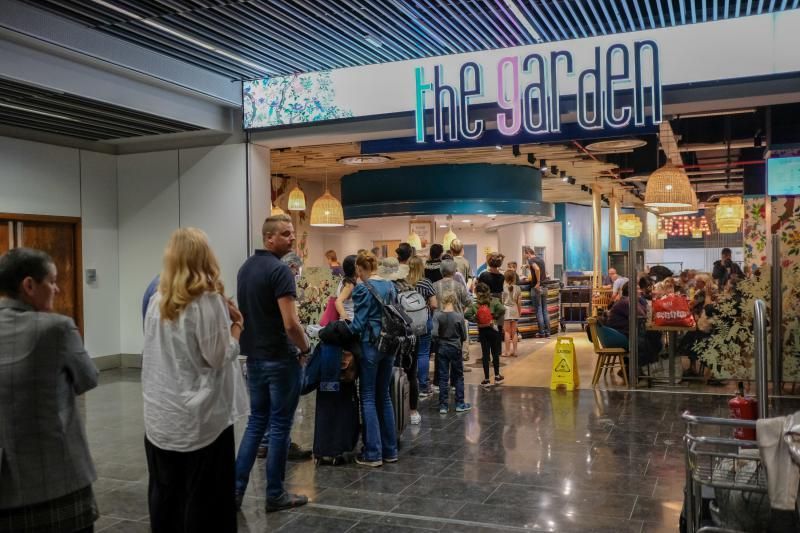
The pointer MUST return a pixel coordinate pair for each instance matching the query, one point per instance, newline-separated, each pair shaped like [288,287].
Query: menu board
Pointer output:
[783,176]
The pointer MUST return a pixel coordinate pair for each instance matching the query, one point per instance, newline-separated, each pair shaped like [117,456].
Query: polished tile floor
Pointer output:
[523,459]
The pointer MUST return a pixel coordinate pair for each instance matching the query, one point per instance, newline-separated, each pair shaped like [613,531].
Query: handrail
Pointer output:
[713,421]
[760,354]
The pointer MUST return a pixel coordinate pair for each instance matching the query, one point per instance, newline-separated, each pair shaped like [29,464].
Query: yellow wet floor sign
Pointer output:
[565,369]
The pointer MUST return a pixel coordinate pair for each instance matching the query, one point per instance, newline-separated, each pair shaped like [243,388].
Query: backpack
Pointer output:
[397,336]
[483,316]
[415,307]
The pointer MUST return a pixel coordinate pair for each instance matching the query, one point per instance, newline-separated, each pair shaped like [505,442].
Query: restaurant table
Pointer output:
[672,331]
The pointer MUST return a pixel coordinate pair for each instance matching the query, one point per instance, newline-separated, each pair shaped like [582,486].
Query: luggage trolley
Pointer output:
[729,468]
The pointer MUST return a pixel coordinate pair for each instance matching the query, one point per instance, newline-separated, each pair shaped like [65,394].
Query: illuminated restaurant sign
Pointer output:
[529,91]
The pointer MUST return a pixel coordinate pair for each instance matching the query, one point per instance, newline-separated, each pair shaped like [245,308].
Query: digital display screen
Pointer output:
[783,176]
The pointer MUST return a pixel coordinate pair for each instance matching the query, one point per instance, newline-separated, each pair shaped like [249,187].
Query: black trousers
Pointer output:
[193,491]
[413,383]
[491,342]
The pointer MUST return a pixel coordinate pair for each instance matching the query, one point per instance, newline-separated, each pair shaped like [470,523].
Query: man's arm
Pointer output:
[291,323]
[538,275]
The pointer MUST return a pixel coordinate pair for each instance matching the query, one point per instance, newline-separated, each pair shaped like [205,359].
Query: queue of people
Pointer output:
[193,387]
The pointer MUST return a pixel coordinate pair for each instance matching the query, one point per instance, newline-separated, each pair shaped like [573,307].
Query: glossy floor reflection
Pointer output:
[524,458]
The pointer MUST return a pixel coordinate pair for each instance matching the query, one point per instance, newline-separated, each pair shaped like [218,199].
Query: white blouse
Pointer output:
[192,384]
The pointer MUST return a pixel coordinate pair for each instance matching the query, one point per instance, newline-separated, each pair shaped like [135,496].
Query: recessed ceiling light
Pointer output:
[498,147]
[367,159]
[466,221]
[491,216]
[374,41]
[442,225]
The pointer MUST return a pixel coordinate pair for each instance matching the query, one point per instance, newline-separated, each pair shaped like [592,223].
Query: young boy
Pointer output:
[449,332]
[488,313]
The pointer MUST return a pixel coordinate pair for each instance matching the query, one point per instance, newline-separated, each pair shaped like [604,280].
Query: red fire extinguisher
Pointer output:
[743,408]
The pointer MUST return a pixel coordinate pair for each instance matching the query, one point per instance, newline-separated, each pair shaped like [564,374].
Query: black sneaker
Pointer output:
[296,453]
[287,501]
[498,379]
[486,383]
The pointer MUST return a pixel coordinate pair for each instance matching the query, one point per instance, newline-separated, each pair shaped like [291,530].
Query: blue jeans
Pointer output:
[539,301]
[450,360]
[274,392]
[423,361]
[377,412]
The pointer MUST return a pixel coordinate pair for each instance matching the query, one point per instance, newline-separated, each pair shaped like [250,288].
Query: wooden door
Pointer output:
[387,248]
[6,235]
[60,238]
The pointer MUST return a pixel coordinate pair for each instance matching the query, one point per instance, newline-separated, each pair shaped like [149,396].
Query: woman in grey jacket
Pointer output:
[46,472]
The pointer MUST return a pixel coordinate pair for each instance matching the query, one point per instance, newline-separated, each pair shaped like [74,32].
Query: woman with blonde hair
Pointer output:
[193,391]
[416,278]
[375,368]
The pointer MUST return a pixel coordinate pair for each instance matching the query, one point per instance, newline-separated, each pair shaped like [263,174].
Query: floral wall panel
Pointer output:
[786,228]
[755,232]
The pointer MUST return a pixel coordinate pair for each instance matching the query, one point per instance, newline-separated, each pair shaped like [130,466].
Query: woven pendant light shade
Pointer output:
[327,211]
[629,225]
[729,214]
[276,211]
[297,200]
[669,187]
[414,240]
[448,238]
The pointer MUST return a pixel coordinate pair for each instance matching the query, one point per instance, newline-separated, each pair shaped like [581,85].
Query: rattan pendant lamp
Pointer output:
[297,199]
[669,187]
[327,211]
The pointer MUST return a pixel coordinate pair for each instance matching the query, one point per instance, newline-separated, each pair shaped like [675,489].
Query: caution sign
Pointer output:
[565,370]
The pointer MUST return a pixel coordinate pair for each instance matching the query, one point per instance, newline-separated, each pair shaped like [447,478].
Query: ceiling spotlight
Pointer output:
[571,180]
[543,165]
[564,177]
[515,150]
[531,159]
[590,190]
[498,147]
[584,188]
[554,169]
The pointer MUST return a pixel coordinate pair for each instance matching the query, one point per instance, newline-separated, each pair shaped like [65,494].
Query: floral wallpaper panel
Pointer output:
[295,99]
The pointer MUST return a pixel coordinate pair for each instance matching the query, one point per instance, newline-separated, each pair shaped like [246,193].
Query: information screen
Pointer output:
[783,176]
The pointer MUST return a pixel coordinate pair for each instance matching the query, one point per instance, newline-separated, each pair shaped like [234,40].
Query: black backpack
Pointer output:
[397,335]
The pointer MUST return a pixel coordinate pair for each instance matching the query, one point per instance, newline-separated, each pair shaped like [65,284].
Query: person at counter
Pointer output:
[492,277]
[725,268]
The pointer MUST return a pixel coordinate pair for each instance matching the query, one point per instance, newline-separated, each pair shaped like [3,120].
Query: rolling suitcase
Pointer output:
[336,425]
[399,391]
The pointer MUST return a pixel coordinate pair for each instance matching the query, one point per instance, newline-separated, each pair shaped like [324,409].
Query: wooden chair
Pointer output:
[607,358]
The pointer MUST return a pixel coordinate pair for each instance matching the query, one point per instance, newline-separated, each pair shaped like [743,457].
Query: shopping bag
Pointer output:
[672,310]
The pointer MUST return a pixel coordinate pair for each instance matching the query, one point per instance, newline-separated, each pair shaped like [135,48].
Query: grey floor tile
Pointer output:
[384,482]
[450,489]
[126,503]
[318,524]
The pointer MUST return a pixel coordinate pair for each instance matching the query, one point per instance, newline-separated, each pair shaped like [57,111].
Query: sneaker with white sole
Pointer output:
[486,384]
[463,407]
[365,462]
[415,418]
[442,409]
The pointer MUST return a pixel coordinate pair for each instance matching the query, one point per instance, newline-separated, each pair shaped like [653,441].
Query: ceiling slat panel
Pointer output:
[254,38]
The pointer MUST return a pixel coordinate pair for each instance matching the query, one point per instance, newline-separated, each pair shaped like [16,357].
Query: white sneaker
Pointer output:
[416,418]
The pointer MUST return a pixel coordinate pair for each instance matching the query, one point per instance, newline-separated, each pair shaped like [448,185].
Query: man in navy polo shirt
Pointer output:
[276,346]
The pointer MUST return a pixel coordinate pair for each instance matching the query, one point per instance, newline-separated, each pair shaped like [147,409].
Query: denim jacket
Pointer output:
[367,310]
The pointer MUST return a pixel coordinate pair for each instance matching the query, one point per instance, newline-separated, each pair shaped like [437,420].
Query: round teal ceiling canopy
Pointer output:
[456,189]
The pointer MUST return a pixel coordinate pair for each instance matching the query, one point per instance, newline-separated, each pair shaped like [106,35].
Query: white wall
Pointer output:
[701,259]
[260,192]
[100,252]
[544,234]
[348,240]
[42,179]
[148,213]
[213,197]
[39,179]
[204,188]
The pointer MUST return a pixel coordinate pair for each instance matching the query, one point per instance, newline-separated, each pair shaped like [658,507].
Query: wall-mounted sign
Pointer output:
[529,92]
[522,85]
[684,226]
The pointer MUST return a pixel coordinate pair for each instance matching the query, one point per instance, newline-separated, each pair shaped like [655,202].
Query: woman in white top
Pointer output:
[512,297]
[193,391]
[344,293]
